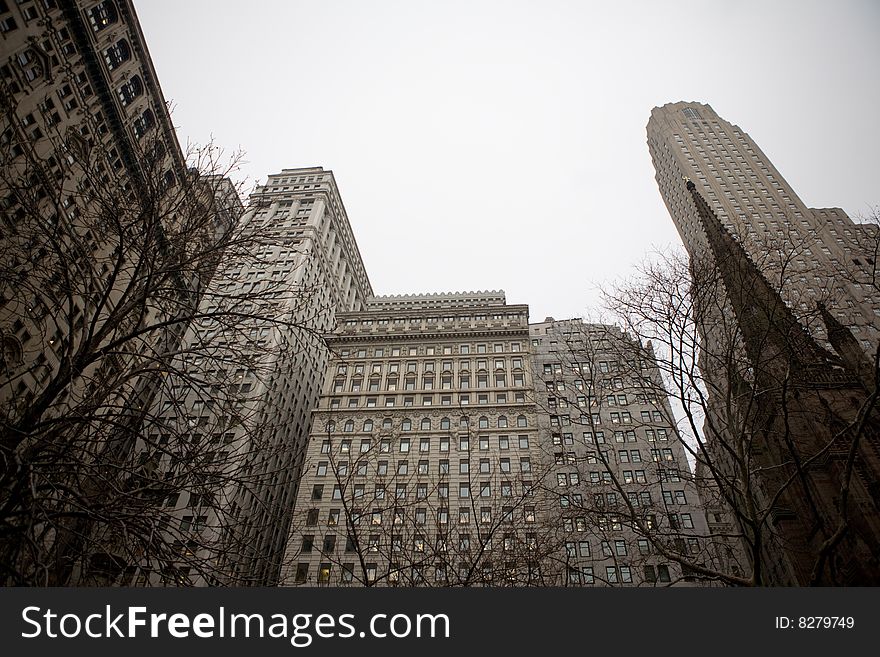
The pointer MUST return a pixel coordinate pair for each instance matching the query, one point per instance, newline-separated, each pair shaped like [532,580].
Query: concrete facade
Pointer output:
[808,254]
[259,436]
[420,463]
[618,470]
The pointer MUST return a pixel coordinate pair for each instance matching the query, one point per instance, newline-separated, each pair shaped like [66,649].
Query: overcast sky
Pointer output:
[501,145]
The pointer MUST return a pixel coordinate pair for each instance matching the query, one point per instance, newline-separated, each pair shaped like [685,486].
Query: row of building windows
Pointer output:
[443,445]
[427,366]
[483,466]
[426,424]
[420,516]
[396,574]
[428,382]
[385,445]
[444,350]
[463,399]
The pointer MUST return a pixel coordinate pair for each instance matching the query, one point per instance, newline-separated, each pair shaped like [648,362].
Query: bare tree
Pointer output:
[625,500]
[782,430]
[452,516]
[114,343]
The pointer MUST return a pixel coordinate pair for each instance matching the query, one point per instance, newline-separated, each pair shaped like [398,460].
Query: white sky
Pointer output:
[501,145]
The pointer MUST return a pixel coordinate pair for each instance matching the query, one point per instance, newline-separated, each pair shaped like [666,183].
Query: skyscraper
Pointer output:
[809,255]
[420,463]
[251,409]
[784,311]
[623,501]
[77,81]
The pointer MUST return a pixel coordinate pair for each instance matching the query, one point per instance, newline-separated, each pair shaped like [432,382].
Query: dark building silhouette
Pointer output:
[814,429]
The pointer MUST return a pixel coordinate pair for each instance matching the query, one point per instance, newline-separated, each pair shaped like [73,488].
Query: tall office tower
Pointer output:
[95,195]
[809,255]
[243,414]
[420,463]
[624,496]
[776,287]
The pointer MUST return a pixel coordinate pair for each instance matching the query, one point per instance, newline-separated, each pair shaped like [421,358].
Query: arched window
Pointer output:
[157,151]
[349,426]
[406,424]
[130,90]
[463,422]
[484,422]
[143,123]
[444,423]
[368,425]
[103,15]
[386,423]
[521,421]
[331,426]
[117,54]
[12,351]
[502,422]
[426,423]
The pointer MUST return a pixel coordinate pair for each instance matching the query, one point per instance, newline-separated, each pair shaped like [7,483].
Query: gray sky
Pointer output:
[487,145]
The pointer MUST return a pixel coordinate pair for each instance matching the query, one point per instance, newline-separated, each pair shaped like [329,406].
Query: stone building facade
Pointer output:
[95,189]
[257,418]
[622,487]
[422,462]
[440,456]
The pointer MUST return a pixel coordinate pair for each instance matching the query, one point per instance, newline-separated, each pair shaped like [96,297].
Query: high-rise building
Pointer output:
[786,313]
[76,79]
[423,455]
[809,255]
[623,495]
[95,192]
[255,417]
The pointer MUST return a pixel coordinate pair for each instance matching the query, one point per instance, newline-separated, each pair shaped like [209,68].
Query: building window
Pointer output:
[130,90]
[103,15]
[663,573]
[117,54]
[142,125]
